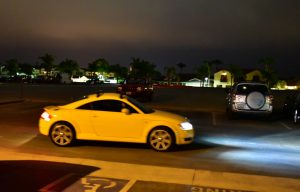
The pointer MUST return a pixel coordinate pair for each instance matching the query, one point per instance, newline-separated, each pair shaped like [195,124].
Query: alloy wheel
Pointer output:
[62,135]
[161,140]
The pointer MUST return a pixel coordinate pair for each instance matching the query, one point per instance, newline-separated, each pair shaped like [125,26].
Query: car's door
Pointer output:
[108,120]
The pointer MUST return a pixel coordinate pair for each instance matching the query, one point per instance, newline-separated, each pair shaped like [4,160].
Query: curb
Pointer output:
[11,101]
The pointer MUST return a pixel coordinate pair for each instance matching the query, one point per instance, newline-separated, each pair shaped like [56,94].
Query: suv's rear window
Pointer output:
[248,88]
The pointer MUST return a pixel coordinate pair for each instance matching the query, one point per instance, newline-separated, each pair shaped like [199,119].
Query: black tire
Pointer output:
[161,139]
[62,134]
[230,114]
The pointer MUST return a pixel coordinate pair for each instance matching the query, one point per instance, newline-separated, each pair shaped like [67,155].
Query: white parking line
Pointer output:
[285,125]
[128,185]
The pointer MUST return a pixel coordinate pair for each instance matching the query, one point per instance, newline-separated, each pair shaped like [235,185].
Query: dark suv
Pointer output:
[249,97]
[137,88]
[291,106]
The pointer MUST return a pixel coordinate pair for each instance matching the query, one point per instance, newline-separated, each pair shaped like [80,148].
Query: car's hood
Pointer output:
[167,116]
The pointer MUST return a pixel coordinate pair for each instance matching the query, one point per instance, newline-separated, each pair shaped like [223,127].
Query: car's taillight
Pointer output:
[269,99]
[46,116]
[239,98]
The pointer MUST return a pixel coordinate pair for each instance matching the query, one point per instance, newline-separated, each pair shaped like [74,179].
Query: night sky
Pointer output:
[164,32]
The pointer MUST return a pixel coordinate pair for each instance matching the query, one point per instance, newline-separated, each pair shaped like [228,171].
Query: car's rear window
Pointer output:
[248,88]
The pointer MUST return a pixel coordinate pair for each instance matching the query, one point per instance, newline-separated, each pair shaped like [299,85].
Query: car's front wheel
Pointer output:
[62,134]
[161,139]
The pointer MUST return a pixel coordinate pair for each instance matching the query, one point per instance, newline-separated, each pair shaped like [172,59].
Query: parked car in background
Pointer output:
[137,88]
[291,107]
[79,79]
[94,80]
[111,80]
[113,117]
[249,97]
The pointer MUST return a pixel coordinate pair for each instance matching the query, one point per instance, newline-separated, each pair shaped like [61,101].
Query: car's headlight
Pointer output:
[186,126]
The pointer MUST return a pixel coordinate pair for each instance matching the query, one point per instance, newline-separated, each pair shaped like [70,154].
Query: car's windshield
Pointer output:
[248,88]
[140,105]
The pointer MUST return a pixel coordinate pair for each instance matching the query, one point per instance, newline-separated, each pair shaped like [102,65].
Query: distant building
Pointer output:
[223,78]
[254,75]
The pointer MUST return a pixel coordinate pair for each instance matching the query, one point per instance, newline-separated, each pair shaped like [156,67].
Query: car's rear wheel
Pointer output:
[62,134]
[161,139]
[295,116]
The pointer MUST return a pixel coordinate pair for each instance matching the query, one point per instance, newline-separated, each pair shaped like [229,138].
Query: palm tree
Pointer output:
[47,63]
[68,66]
[26,68]
[236,73]
[118,70]
[268,72]
[12,67]
[142,69]
[170,74]
[202,72]
[99,65]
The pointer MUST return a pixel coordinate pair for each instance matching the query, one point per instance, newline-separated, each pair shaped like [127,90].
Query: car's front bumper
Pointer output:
[185,137]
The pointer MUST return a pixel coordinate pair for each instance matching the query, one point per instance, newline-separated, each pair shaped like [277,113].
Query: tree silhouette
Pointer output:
[118,70]
[26,68]
[99,65]
[142,69]
[68,66]
[170,73]
[12,66]
[236,73]
[47,63]
[268,72]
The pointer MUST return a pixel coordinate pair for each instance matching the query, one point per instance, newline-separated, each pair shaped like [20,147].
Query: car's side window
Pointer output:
[107,105]
[131,109]
[87,106]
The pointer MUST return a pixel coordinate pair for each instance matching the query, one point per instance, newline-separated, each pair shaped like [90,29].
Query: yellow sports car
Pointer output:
[114,117]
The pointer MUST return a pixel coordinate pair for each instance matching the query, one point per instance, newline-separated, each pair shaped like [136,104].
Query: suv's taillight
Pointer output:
[239,98]
[46,116]
[269,99]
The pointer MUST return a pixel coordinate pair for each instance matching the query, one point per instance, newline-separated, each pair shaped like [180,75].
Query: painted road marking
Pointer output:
[285,125]
[97,184]
[55,183]
[129,185]
[150,186]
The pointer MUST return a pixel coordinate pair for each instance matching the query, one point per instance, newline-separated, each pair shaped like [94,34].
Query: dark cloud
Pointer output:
[164,32]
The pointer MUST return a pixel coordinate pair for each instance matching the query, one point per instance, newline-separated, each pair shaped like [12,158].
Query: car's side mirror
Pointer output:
[125,110]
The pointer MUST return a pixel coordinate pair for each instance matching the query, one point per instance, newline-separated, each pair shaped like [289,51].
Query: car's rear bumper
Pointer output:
[43,127]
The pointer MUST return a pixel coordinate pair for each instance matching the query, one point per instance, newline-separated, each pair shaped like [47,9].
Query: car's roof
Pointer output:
[93,97]
[104,96]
